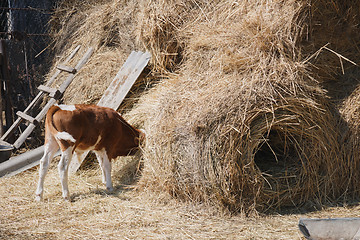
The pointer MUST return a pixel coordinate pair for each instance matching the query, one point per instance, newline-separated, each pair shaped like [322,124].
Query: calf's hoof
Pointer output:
[38,198]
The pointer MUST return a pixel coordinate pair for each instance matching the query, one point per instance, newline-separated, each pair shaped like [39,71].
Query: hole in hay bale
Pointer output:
[275,155]
[279,161]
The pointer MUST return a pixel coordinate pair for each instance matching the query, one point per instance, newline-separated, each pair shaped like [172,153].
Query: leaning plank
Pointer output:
[118,89]
[331,228]
[124,79]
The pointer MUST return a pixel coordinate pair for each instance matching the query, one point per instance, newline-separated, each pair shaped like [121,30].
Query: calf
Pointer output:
[79,128]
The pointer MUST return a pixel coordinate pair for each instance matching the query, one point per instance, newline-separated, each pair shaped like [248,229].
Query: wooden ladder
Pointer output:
[53,93]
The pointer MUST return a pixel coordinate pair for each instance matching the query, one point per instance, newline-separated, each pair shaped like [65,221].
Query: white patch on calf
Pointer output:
[66,107]
[142,132]
[105,165]
[65,136]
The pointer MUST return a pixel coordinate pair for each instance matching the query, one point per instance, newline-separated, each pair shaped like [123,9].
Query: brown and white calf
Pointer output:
[79,128]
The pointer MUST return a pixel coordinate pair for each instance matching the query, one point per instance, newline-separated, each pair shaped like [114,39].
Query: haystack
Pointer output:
[239,115]
[243,124]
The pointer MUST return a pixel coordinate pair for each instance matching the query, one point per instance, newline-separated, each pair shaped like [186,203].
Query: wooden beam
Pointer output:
[46,89]
[54,93]
[6,82]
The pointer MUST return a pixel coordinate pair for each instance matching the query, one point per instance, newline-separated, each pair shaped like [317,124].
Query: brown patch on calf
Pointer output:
[87,122]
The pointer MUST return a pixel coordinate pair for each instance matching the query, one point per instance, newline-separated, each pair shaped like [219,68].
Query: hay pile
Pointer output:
[243,123]
[240,117]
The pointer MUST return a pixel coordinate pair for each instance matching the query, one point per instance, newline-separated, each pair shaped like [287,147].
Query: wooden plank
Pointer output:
[38,97]
[125,78]
[330,228]
[52,101]
[112,88]
[21,162]
[118,89]
[66,68]
[27,117]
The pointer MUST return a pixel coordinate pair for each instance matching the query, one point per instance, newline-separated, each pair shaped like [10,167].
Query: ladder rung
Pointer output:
[27,117]
[46,89]
[56,95]
[66,68]
[53,92]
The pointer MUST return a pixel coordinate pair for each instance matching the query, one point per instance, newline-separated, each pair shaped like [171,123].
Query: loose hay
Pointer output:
[240,117]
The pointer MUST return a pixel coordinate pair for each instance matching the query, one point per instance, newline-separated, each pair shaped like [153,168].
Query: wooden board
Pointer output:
[118,89]
[331,228]
[124,79]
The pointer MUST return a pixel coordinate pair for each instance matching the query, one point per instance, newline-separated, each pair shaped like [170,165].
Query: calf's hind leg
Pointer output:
[49,150]
[63,168]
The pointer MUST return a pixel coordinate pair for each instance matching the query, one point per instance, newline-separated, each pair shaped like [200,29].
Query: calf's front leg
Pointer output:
[105,165]
[49,150]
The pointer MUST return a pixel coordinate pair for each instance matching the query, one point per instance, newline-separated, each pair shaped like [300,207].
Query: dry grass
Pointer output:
[95,214]
[128,214]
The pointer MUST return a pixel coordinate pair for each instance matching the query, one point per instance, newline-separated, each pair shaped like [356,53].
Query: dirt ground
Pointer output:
[129,214]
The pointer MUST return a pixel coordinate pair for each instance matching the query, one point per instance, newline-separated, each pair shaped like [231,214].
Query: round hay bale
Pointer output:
[335,25]
[239,144]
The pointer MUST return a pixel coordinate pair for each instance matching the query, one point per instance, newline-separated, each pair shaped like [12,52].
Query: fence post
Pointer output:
[6,83]
[2,64]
